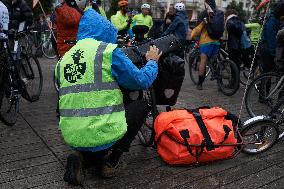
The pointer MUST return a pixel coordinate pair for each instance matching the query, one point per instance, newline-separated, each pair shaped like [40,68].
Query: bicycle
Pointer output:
[256,68]
[223,70]
[265,130]
[263,93]
[20,75]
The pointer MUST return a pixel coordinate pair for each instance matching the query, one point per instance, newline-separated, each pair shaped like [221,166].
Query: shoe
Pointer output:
[74,169]
[109,171]
[199,87]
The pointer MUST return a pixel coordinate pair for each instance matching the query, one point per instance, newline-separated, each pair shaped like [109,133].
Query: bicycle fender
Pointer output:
[257,119]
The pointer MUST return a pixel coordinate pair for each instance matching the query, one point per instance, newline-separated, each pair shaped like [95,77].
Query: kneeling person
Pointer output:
[93,117]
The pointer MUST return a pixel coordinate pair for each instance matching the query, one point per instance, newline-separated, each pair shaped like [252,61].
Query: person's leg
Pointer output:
[136,113]
[235,56]
[202,70]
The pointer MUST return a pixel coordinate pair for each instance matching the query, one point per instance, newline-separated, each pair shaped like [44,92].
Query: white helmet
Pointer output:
[180,7]
[145,6]
[81,3]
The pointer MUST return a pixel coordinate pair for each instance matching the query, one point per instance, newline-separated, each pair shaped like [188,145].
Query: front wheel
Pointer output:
[259,134]
[48,50]
[194,63]
[228,77]
[145,132]
[31,77]
[8,105]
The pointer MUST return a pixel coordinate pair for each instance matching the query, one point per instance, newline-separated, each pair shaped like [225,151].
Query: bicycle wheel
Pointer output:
[8,105]
[228,77]
[258,98]
[25,43]
[194,62]
[259,135]
[48,50]
[244,75]
[145,133]
[31,77]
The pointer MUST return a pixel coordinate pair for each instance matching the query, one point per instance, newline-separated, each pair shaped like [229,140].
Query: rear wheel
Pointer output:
[194,62]
[48,50]
[259,99]
[31,77]
[8,103]
[146,131]
[259,136]
[228,77]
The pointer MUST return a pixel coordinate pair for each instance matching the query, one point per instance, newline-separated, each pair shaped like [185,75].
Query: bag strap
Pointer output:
[185,135]
[209,143]
[227,131]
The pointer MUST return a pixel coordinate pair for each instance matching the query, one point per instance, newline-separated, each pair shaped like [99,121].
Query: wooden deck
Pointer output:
[33,154]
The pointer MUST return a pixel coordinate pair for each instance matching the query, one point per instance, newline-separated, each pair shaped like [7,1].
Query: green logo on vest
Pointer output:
[74,72]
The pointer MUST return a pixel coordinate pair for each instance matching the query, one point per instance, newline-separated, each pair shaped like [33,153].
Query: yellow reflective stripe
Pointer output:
[93,99]
[91,111]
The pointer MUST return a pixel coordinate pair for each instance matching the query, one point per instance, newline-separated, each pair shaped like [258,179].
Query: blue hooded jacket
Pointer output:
[179,26]
[127,75]
[270,29]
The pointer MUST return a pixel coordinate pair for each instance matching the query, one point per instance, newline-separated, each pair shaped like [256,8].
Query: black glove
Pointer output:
[129,21]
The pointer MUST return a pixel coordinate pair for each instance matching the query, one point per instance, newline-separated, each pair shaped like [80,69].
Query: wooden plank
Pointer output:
[27,155]
[30,172]
[34,181]
[26,163]
[58,184]
[258,179]
[276,184]
[22,149]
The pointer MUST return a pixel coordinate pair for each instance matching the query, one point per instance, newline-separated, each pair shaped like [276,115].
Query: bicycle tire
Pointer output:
[8,106]
[256,129]
[48,50]
[233,84]
[193,64]
[253,95]
[244,74]
[145,132]
[25,44]
[30,71]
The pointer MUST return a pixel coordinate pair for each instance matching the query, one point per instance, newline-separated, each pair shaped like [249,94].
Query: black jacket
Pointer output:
[235,30]
[20,12]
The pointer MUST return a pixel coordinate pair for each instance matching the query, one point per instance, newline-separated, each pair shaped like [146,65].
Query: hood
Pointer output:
[211,3]
[93,25]
[182,14]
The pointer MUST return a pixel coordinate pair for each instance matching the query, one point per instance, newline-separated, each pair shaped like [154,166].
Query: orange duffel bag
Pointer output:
[197,136]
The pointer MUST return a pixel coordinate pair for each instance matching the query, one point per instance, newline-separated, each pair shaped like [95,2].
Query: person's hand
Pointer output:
[153,54]
[168,21]
[129,21]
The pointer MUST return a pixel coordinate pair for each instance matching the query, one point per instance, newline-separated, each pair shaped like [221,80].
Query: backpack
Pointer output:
[215,25]
[196,136]
[245,41]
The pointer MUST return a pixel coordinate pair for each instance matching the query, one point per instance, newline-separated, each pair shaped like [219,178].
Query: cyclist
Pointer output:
[208,46]
[180,24]
[89,75]
[170,16]
[4,20]
[97,5]
[121,20]
[67,18]
[235,29]
[144,18]
[268,38]
[20,12]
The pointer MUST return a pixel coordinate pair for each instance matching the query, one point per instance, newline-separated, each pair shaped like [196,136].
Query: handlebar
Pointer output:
[70,42]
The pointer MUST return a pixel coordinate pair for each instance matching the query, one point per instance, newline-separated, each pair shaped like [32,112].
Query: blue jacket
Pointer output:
[270,29]
[127,75]
[179,26]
